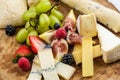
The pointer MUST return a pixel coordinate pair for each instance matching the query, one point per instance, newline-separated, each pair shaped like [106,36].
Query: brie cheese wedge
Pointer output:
[110,44]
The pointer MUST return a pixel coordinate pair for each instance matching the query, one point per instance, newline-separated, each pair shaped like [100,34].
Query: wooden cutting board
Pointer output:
[10,71]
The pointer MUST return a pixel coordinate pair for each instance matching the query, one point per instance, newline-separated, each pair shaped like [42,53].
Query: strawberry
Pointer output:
[23,51]
[24,64]
[36,43]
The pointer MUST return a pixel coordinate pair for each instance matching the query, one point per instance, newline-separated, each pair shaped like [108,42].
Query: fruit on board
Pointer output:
[70,21]
[36,43]
[24,64]
[68,59]
[48,36]
[59,48]
[32,33]
[60,33]
[73,38]
[10,30]
[22,35]
[23,51]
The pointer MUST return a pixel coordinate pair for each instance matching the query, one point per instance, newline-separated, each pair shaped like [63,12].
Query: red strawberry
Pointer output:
[36,43]
[23,51]
[24,64]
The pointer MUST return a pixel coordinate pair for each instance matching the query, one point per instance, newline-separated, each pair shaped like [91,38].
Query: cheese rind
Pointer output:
[47,64]
[88,25]
[87,57]
[110,44]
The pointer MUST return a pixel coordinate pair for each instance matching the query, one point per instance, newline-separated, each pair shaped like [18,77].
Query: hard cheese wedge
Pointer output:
[34,74]
[64,70]
[87,25]
[110,44]
[87,57]
[47,64]
[77,52]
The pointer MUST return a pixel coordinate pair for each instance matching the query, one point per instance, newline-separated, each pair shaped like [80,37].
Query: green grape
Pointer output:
[44,20]
[32,33]
[33,8]
[29,14]
[53,20]
[27,25]
[57,14]
[43,6]
[42,29]
[29,29]
[21,35]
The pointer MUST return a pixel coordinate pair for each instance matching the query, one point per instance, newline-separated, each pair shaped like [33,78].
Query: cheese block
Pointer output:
[110,44]
[77,52]
[87,57]
[64,70]
[47,64]
[88,25]
[35,73]
[104,15]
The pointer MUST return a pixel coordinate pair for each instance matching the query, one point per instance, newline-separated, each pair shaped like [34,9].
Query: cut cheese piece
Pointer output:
[88,25]
[77,52]
[97,51]
[87,57]
[35,73]
[64,70]
[110,44]
[47,64]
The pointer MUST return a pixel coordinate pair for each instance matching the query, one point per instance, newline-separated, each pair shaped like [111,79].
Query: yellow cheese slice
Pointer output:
[47,64]
[77,52]
[87,57]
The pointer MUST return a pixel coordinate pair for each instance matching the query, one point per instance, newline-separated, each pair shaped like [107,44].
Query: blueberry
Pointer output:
[47,46]
[57,26]
[10,30]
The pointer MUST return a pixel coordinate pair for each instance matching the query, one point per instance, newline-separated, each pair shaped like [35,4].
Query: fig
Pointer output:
[73,38]
[70,21]
[59,48]
[48,36]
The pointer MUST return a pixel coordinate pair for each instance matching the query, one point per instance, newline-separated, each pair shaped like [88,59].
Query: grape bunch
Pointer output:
[39,19]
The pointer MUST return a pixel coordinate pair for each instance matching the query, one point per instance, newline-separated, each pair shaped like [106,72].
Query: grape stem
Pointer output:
[49,11]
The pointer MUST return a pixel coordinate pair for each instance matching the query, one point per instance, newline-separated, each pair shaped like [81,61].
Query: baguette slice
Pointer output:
[106,16]
[110,44]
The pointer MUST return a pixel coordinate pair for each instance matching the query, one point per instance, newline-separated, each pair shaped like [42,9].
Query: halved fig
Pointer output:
[70,21]
[59,48]
[48,36]
[73,38]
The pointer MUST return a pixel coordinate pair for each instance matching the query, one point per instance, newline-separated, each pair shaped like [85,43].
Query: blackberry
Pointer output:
[68,59]
[57,26]
[10,30]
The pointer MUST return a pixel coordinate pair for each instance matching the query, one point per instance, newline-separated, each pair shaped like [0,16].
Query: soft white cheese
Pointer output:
[110,44]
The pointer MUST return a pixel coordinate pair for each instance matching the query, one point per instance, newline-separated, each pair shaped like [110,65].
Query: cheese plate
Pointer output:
[10,71]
